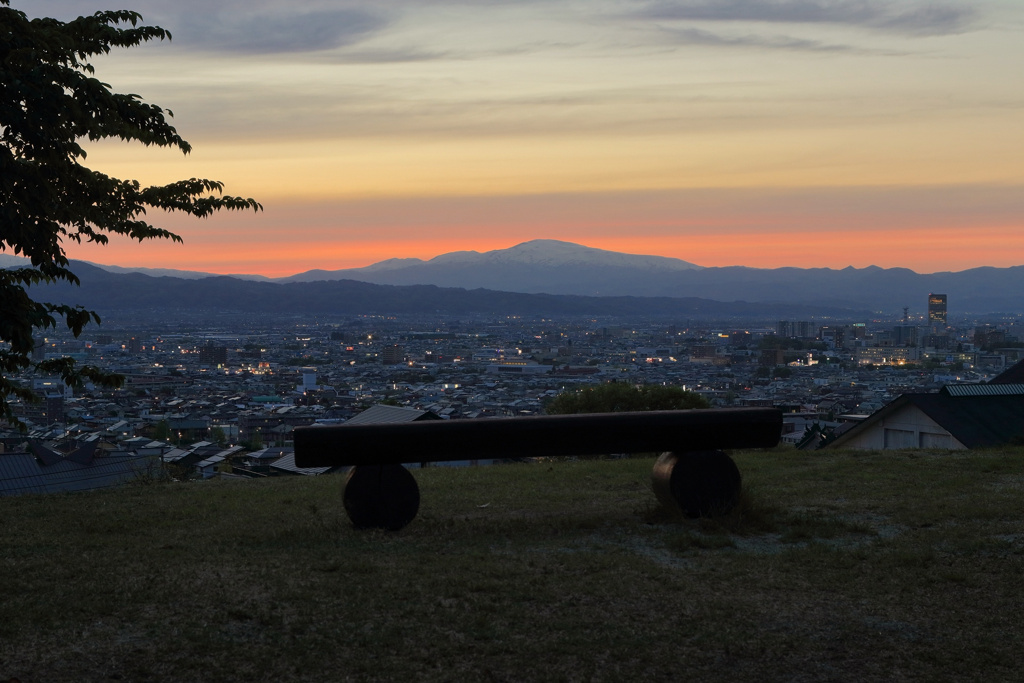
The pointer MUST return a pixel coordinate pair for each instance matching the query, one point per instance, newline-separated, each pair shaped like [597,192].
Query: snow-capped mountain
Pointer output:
[556,253]
[535,266]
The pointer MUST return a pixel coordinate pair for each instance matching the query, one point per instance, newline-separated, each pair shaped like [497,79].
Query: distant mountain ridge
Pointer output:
[537,266]
[554,268]
[9,261]
[108,292]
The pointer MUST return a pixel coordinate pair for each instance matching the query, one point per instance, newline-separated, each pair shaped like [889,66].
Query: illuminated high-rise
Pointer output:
[937,311]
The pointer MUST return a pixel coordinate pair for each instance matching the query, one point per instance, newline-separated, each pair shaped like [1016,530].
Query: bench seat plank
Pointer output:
[541,436]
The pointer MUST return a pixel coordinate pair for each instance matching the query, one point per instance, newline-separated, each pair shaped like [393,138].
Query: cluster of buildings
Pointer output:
[222,397]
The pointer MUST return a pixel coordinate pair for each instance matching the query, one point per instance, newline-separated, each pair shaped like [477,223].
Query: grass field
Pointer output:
[837,567]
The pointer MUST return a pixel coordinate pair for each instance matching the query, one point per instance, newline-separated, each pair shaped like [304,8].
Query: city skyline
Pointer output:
[812,134]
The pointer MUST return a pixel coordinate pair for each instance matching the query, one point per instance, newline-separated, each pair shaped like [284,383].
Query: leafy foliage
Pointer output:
[618,397]
[49,102]
[254,443]
[219,436]
[162,431]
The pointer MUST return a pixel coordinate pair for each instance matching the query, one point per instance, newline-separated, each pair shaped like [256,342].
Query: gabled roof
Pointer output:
[974,418]
[211,461]
[380,413]
[270,453]
[1012,375]
[975,421]
[286,463]
[84,454]
[47,456]
[22,473]
[175,454]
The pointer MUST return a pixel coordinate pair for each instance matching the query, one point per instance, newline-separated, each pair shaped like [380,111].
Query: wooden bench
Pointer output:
[692,473]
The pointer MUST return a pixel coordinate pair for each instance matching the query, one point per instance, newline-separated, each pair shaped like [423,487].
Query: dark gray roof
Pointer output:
[209,462]
[1012,375]
[286,463]
[379,414]
[22,473]
[984,389]
[270,453]
[975,420]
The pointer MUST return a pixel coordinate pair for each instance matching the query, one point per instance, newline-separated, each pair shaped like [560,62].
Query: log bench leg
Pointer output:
[697,483]
[381,497]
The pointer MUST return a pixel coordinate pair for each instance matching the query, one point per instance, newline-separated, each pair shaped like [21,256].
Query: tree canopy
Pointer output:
[616,397]
[50,102]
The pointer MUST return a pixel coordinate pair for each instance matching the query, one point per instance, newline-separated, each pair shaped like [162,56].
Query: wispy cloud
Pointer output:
[245,27]
[278,31]
[913,18]
[699,37]
[387,56]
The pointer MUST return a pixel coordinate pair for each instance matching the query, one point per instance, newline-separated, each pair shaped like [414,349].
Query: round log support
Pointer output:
[697,483]
[381,497]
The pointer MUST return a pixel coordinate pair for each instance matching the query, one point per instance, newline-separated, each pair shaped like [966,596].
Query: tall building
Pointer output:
[212,354]
[393,355]
[833,335]
[987,337]
[46,411]
[904,335]
[308,380]
[801,329]
[937,311]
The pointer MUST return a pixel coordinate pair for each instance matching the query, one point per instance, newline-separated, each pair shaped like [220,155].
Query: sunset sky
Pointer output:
[766,133]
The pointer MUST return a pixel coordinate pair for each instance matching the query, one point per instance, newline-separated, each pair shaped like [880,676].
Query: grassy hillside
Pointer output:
[839,567]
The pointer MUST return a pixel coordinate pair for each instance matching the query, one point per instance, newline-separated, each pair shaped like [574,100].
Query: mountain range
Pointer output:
[144,294]
[555,267]
[595,279]
[538,266]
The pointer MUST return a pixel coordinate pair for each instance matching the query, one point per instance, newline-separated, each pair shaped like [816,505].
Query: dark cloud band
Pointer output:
[915,18]
[278,33]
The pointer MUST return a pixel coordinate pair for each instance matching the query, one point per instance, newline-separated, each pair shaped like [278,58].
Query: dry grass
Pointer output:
[835,567]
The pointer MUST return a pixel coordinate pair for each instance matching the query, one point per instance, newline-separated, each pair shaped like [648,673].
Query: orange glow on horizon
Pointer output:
[923,250]
[926,229]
